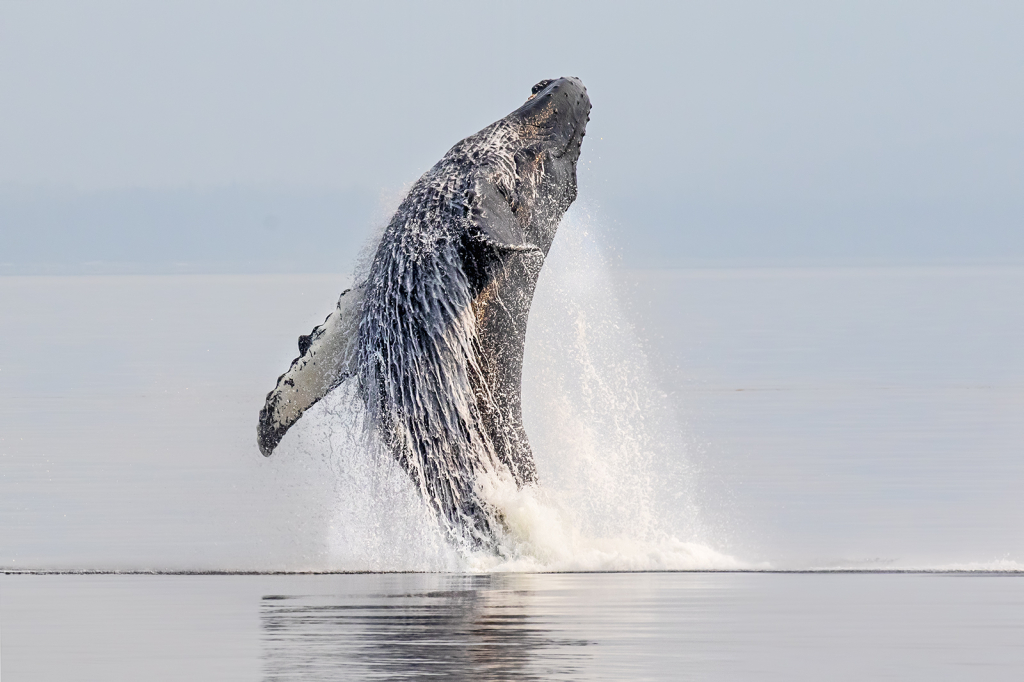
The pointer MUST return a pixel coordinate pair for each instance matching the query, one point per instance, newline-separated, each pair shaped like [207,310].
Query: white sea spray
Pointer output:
[611,460]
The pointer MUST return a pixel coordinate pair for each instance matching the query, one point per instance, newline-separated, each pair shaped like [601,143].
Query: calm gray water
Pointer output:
[832,417]
[779,418]
[657,626]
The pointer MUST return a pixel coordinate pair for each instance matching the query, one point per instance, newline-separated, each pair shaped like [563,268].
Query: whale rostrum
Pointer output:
[434,335]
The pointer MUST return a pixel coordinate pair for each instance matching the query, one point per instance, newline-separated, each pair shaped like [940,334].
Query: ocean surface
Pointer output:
[842,421]
[514,626]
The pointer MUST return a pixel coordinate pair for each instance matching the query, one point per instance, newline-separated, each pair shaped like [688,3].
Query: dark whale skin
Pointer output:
[435,335]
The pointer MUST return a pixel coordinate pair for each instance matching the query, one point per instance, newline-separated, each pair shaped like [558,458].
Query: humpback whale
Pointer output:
[434,334]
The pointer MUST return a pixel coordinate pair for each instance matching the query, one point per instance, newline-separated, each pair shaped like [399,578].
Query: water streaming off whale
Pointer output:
[617,489]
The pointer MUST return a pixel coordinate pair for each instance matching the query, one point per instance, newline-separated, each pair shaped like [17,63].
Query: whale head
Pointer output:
[550,127]
[559,110]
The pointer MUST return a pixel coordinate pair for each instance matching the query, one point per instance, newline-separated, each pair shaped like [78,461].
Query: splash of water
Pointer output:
[616,489]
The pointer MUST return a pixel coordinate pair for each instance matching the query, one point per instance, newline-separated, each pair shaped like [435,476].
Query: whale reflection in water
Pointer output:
[473,627]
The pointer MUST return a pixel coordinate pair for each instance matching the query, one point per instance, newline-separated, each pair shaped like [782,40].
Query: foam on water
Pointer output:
[617,491]
[543,534]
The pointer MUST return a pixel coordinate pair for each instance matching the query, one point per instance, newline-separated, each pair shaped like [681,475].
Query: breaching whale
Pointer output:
[434,335]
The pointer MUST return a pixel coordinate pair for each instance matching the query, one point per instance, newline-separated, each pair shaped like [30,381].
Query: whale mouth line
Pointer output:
[572,139]
[565,149]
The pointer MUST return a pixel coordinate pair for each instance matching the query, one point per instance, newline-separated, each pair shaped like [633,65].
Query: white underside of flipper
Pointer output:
[327,358]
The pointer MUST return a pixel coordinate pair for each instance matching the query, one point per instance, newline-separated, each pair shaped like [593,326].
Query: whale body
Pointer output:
[435,334]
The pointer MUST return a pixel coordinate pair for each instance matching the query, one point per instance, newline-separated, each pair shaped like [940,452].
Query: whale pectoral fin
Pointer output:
[325,361]
[492,215]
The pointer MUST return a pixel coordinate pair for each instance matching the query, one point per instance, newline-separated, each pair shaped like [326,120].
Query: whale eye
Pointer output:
[540,86]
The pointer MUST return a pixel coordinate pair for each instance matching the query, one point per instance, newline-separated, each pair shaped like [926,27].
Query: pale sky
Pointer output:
[720,129]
